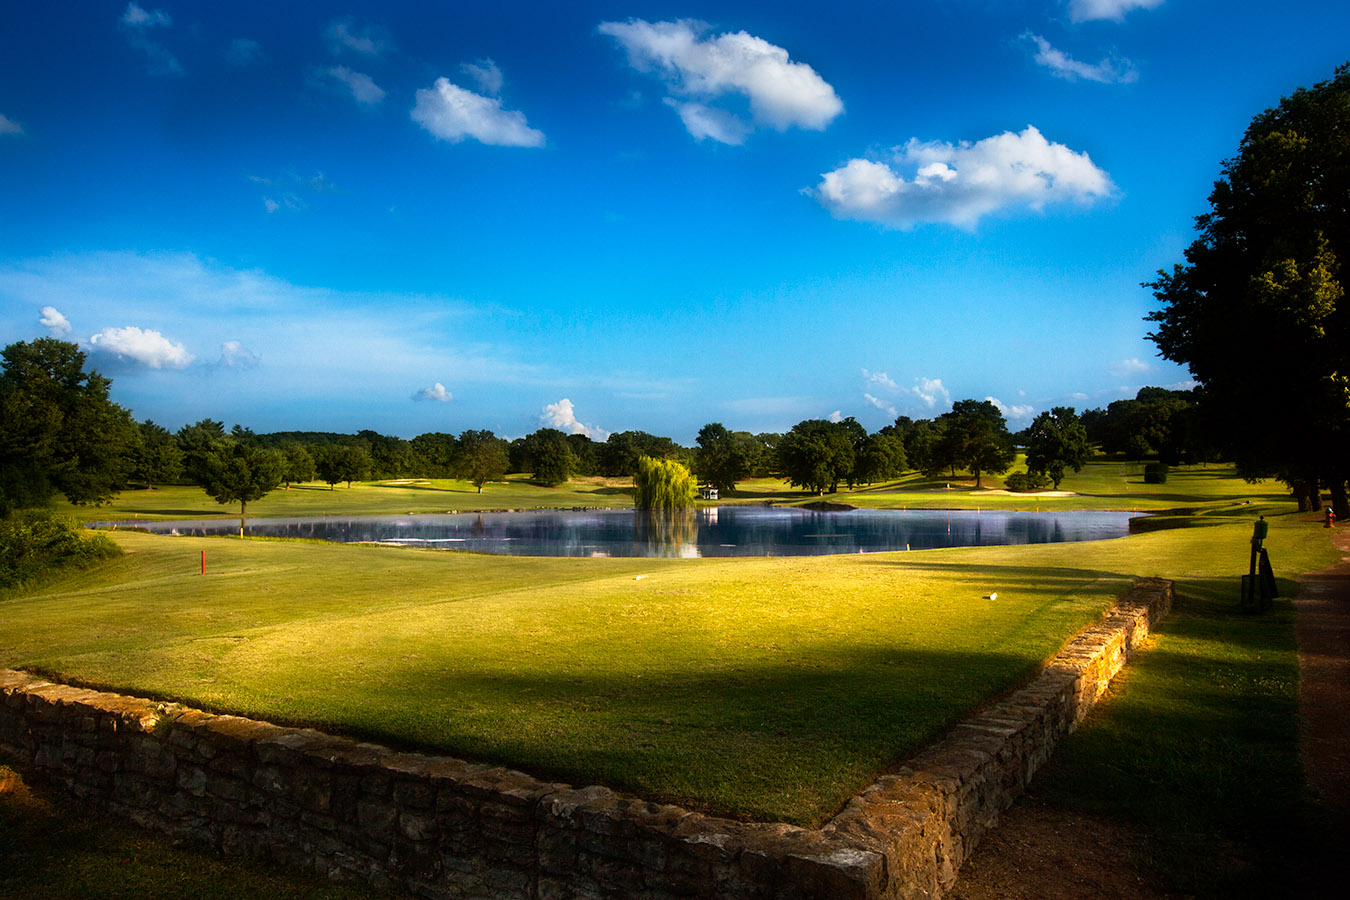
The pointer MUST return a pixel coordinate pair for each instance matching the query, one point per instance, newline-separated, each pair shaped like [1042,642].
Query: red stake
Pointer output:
[203,562]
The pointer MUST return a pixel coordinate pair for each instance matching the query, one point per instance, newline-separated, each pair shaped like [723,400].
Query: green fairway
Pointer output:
[1103,484]
[375,498]
[767,688]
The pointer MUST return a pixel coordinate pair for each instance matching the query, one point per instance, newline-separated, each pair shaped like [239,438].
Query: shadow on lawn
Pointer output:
[783,733]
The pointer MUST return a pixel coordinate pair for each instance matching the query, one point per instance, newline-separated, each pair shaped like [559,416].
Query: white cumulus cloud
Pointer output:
[343,35]
[142,347]
[452,113]
[485,74]
[563,416]
[436,393]
[1013,412]
[960,183]
[880,379]
[1108,71]
[932,393]
[1114,10]
[9,126]
[364,89]
[836,416]
[53,321]
[781,93]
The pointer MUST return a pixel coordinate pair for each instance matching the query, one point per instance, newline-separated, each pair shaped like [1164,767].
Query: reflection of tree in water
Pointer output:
[479,526]
[666,532]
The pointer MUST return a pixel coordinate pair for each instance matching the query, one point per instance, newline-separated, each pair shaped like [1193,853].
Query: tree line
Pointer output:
[61,433]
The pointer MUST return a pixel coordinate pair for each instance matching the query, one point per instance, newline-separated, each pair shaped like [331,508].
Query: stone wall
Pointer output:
[442,828]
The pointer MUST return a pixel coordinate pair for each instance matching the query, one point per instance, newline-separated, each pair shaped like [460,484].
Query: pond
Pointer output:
[719,531]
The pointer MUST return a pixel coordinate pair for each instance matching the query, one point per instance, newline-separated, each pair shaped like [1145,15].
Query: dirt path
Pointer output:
[1323,632]
[1042,853]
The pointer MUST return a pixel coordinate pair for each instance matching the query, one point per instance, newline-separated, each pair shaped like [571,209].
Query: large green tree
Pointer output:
[817,454]
[723,457]
[1057,441]
[241,472]
[976,438]
[1258,309]
[58,429]
[155,457]
[481,458]
[548,455]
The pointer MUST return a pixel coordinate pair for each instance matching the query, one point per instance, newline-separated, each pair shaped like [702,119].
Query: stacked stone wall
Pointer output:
[443,828]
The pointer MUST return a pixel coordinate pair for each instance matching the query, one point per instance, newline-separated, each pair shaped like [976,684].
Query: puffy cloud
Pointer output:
[707,122]
[1109,71]
[452,113]
[1015,412]
[343,36]
[486,75]
[364,89]
[140,347]
[960,183]
[880,379]
[436,393]
[563,417]
[1127,367]
[9,126]
[234,355]
[781,93]
[836,416]
[931,392]
[880,404]
[1115,10]
[52,320]
[136,24]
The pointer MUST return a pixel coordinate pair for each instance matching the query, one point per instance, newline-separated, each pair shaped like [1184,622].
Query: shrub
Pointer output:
[35,543]
[1024,482]
[1155,473]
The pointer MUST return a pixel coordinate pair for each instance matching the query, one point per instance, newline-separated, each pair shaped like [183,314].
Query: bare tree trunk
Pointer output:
[1340,505]
[1314,494]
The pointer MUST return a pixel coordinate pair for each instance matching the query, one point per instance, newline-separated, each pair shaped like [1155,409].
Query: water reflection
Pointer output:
[720,531]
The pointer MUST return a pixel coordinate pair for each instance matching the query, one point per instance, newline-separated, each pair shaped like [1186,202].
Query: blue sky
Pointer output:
[618,215]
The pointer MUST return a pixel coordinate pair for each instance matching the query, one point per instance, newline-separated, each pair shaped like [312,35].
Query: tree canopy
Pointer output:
[240,472]
[817,454]
[481,458]
[976,437]
[663,484]
[1257,311]
[58,429]
[725,457]
[1057,441]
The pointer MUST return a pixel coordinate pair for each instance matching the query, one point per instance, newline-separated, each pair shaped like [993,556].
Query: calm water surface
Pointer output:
[720,531]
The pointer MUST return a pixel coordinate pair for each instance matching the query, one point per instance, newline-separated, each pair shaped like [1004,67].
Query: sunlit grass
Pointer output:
[766,688]
[1103,484]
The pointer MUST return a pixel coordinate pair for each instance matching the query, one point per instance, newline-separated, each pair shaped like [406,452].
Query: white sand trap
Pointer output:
[1002,493]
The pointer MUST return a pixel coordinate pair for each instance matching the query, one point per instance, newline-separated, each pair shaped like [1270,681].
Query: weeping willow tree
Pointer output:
[663,484]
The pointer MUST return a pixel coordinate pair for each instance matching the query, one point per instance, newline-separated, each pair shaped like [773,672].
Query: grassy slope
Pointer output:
[765,687]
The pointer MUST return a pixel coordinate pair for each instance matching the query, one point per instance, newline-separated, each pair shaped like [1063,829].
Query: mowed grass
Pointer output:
[1103,484]
[760,688]
[373,498]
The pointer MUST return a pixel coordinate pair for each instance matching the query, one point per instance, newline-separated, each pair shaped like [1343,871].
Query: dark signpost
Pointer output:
[1258,585]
